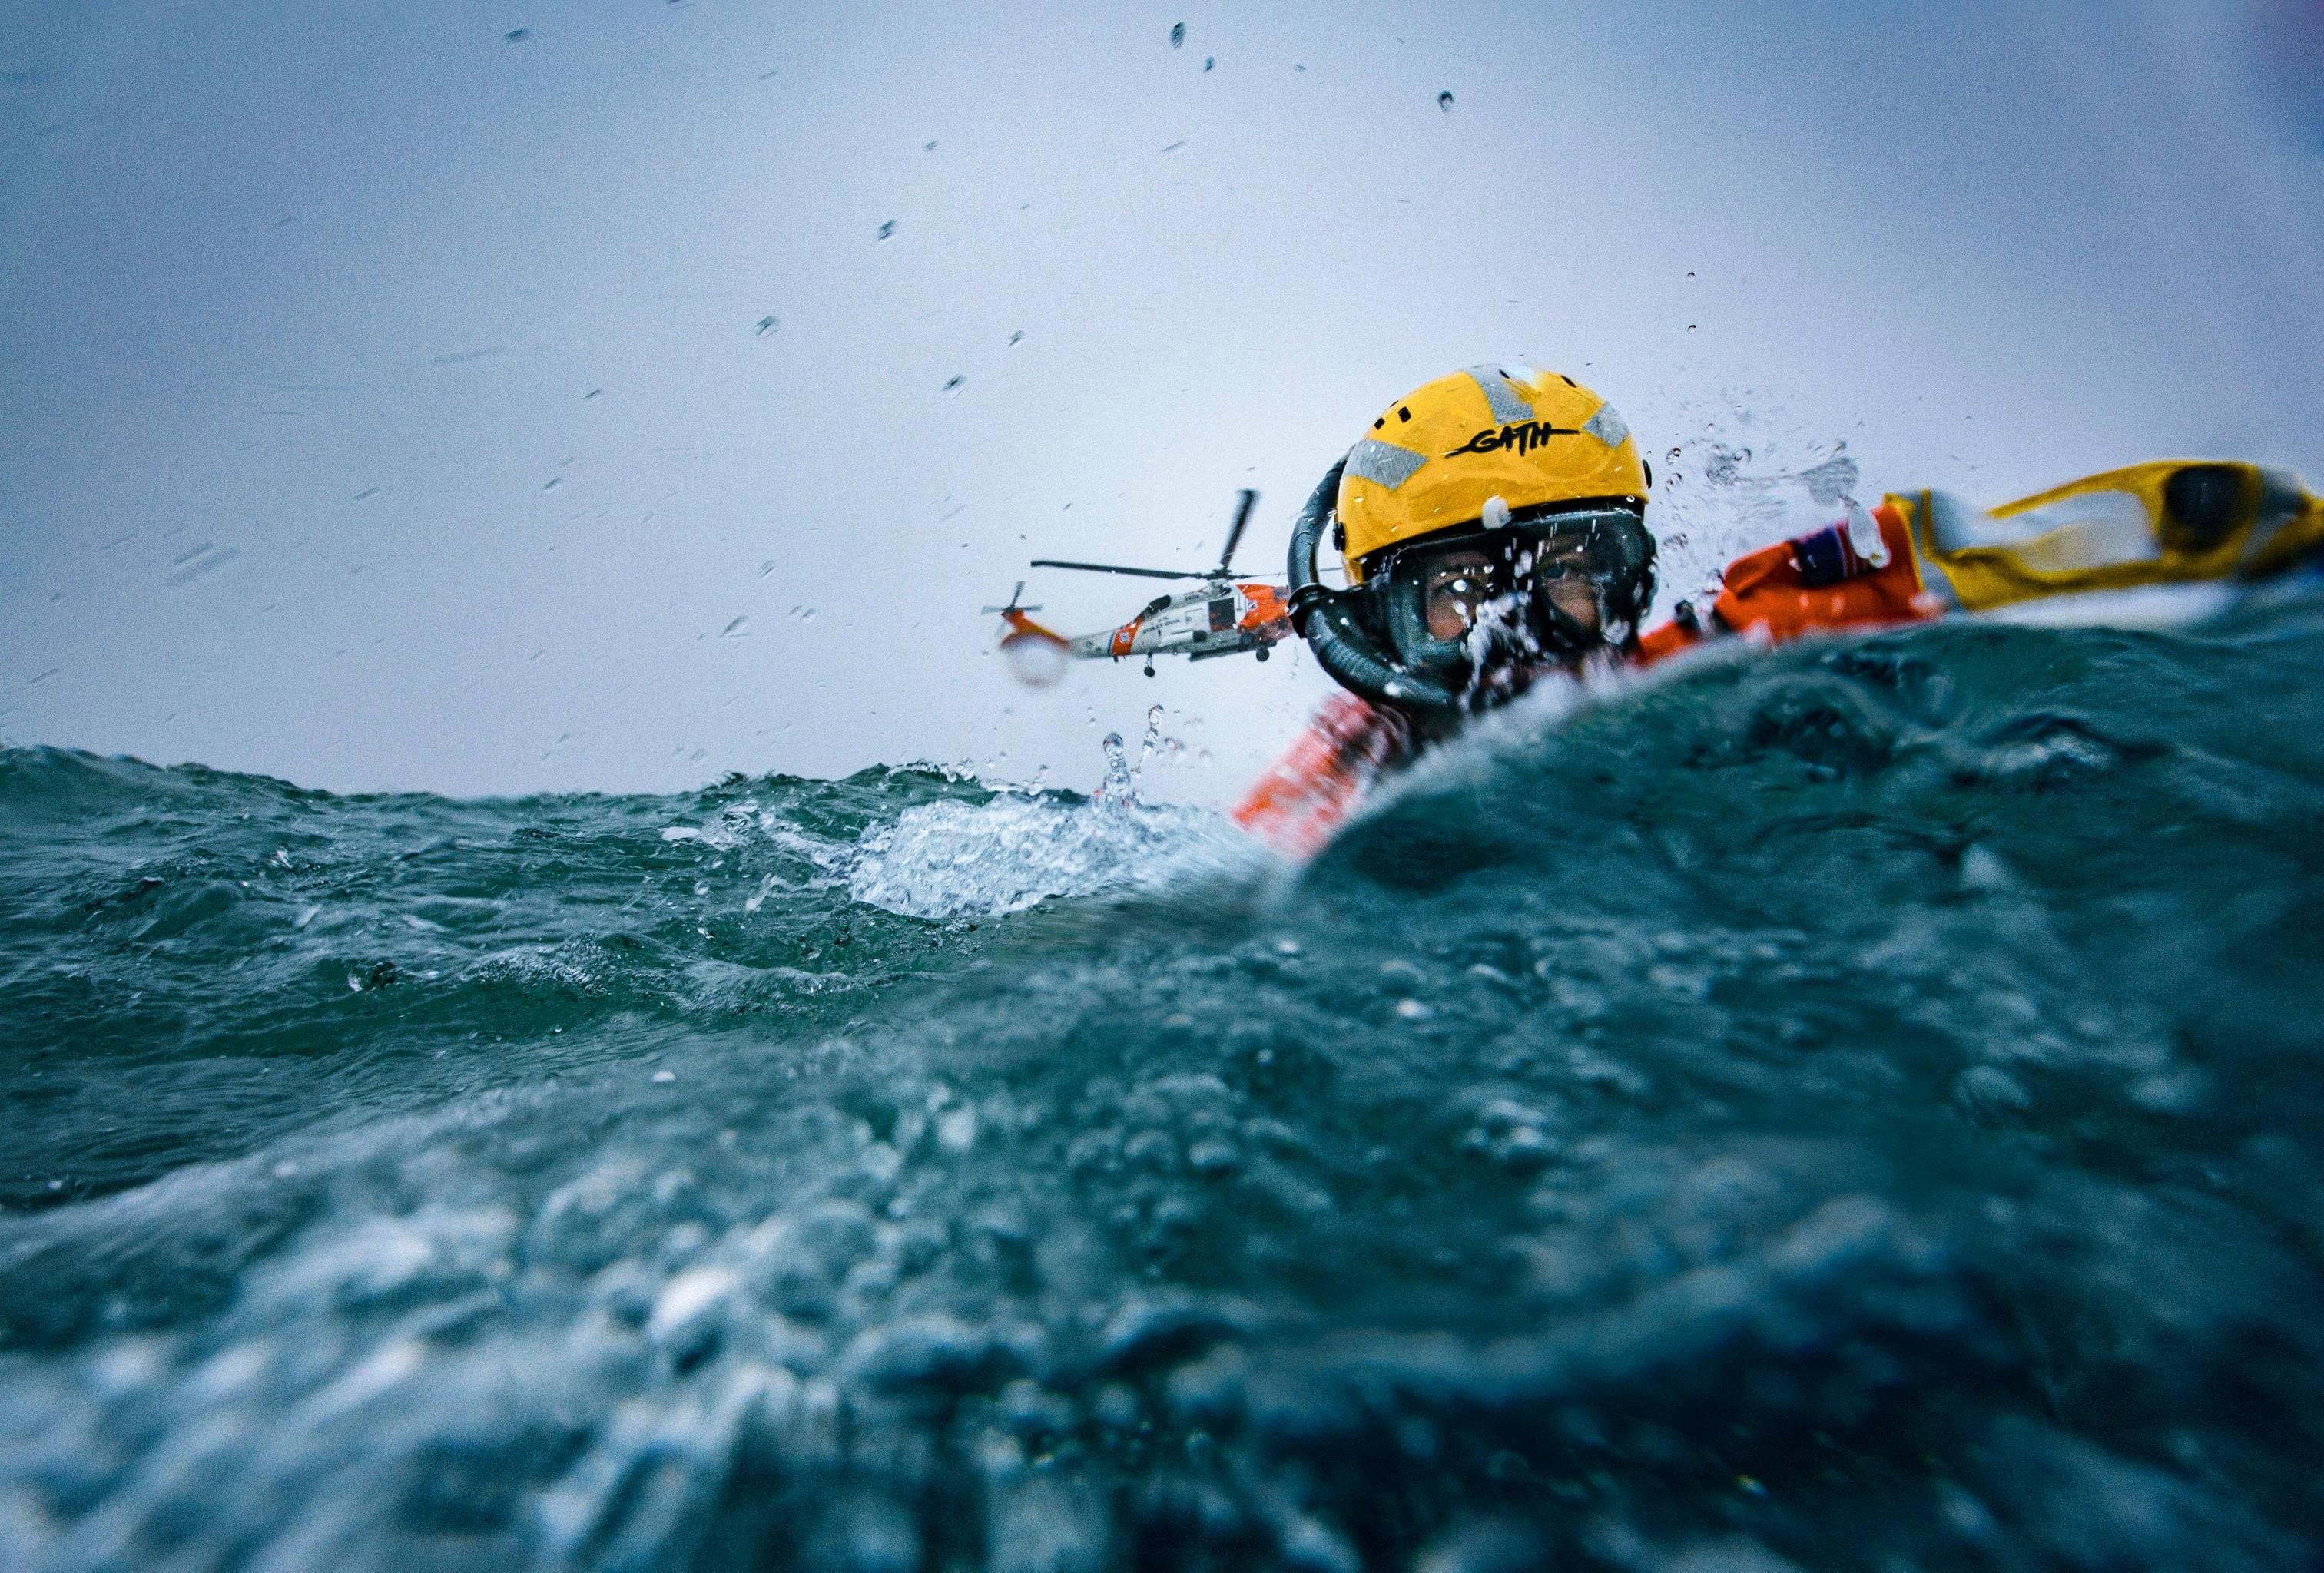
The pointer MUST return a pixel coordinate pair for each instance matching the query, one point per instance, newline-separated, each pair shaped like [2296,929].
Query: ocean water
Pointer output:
[1852,1107]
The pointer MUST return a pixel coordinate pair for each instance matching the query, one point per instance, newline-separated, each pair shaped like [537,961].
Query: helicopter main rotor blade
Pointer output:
[1234,532]
[1115,568]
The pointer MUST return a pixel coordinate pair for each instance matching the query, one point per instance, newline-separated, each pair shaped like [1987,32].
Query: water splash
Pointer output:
[1123,780]
[953,860]
[1118,788]
[956,860]
[1745,477]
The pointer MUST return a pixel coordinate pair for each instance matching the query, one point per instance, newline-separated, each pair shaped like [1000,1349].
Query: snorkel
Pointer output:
[1326,619]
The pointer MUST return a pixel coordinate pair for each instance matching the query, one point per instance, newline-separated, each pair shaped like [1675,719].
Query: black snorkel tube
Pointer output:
[1326,619]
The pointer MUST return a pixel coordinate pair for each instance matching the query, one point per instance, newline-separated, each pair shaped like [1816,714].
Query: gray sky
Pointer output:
[383,403]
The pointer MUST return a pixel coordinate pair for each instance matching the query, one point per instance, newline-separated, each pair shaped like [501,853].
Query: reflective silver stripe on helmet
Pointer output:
[1383,464]
[1608,425]
[1508,406]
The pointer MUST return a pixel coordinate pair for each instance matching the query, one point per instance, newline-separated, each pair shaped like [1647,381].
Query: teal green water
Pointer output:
[1854,1107]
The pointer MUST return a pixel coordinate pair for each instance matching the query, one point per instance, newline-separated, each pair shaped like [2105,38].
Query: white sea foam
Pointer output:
[958,859]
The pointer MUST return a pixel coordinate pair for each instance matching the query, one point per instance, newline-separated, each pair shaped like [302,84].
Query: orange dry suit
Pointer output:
[1916,555]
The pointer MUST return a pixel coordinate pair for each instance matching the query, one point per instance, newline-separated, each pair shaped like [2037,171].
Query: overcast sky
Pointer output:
[495,396]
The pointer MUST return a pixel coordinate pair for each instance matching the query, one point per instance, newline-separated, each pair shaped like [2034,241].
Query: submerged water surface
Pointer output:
[1857,1108]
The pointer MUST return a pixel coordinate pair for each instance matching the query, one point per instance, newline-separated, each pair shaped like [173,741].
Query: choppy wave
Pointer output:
[1855,1107]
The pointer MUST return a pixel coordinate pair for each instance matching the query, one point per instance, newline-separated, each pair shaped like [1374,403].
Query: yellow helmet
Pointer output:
[1517,484]
[1436,459]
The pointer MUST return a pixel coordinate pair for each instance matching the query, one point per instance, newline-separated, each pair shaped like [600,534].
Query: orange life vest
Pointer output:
[1776,594]
[1300,799]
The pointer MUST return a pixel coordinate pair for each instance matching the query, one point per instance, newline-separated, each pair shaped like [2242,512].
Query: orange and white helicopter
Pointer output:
[1225,617]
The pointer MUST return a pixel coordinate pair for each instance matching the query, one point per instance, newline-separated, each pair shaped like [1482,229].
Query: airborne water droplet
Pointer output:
[886,230]
[1445,101]
[1177,34]
[203,560]
[768,325]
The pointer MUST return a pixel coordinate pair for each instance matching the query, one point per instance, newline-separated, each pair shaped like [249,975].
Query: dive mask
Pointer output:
[1484,605]
[1453,623]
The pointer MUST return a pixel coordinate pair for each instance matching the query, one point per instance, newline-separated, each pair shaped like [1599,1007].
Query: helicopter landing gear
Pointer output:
[1262,652]
[1150,668]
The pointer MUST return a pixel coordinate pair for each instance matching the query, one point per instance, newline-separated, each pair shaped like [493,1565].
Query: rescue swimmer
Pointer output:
[1492,523]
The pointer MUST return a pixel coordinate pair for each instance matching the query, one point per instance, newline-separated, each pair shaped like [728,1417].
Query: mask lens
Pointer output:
[1452,588]
[1500,599]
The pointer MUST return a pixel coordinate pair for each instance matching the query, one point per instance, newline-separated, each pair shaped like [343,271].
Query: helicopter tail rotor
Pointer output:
[1016,598]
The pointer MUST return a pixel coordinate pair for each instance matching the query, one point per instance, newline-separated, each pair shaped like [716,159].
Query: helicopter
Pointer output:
[1224,617]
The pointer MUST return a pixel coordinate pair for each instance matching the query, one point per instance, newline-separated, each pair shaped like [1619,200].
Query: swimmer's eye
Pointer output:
[1565,565]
